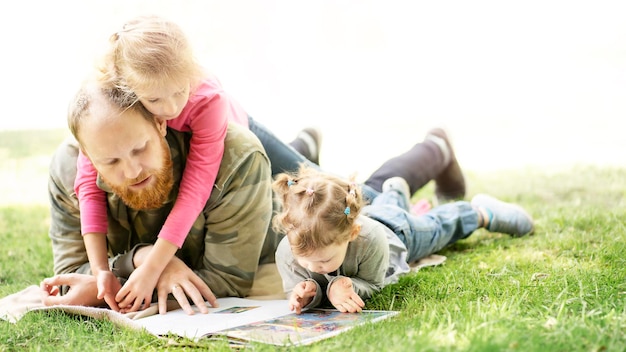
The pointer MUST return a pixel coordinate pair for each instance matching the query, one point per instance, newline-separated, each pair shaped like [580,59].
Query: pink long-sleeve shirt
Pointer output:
[206,115]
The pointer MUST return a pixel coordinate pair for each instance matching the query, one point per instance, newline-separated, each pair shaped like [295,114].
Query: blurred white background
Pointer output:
[540,83]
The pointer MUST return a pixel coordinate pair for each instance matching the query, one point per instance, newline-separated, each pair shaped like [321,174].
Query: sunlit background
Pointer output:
[516,83]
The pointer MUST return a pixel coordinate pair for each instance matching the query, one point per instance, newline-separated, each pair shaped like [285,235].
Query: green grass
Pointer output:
[561,289]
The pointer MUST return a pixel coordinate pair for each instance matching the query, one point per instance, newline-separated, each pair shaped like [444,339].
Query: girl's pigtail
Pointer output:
[350,197]
[281,186]
[310,198]
[352,200]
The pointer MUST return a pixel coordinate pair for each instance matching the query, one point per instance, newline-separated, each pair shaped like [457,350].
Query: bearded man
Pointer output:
[140,163]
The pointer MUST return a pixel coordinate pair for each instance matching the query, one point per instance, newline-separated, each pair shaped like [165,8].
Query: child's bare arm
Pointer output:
[107,283]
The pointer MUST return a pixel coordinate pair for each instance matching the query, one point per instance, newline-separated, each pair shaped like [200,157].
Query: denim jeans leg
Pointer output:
[369,194]
[390,198]
[428,233]
[283,157]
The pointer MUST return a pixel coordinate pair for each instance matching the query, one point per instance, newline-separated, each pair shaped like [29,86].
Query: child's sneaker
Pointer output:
[399,185]
[505,217]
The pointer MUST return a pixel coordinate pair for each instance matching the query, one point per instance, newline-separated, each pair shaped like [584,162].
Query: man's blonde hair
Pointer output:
[94,101]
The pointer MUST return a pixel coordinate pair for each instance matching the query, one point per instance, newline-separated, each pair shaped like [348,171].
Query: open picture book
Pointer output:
[264,317]
[266,321]
[240,320]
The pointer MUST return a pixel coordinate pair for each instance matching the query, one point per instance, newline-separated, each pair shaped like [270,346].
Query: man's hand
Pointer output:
[82,292]
[179,280]
[342,296]
[108,286]
[301,295]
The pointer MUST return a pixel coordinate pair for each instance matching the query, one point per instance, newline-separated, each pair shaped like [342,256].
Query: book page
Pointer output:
[303,329]
[265,321]
[232,312]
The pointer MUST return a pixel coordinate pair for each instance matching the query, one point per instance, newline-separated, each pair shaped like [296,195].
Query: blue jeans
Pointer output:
[423,234]
[283,157]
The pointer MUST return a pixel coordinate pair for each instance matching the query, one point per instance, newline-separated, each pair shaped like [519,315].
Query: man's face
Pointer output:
[131,156]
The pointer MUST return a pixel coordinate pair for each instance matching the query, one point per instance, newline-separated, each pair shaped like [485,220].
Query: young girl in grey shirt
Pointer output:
[337,251]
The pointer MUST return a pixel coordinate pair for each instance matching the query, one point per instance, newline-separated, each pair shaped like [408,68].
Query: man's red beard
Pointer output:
[153,196]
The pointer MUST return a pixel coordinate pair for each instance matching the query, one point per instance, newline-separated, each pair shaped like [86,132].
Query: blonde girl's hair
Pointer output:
[149,52]
[317,209]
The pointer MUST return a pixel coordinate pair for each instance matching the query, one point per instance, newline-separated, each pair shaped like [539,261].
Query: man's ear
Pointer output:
[161,126]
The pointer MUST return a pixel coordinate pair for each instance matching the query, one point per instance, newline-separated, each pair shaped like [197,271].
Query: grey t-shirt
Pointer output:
[374,259]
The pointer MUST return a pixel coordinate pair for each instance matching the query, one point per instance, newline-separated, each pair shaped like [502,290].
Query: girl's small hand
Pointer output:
[108,287]
[302,295]
[342,296]
[136,294]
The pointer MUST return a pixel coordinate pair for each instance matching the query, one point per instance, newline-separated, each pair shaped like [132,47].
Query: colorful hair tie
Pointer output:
[290,183]
[347,211]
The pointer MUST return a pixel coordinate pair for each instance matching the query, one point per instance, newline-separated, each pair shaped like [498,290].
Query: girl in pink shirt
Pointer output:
[151,60]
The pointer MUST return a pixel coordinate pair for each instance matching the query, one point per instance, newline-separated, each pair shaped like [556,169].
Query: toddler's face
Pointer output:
[165,102]
[324,260]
